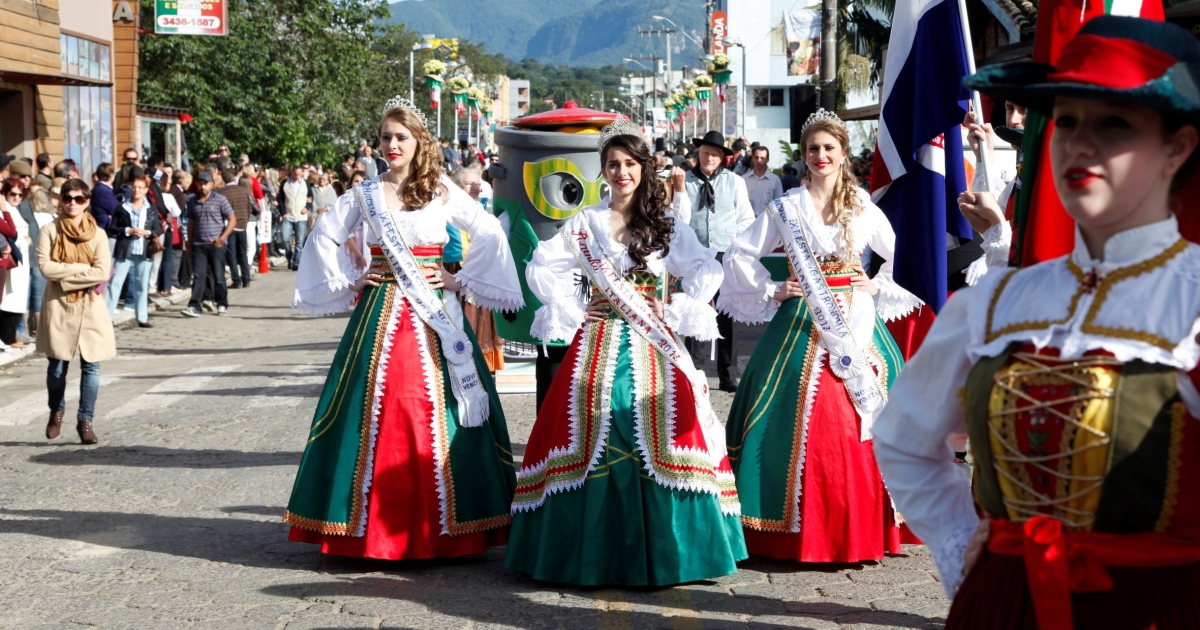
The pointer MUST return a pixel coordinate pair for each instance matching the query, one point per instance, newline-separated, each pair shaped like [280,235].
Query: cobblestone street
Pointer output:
[174,519]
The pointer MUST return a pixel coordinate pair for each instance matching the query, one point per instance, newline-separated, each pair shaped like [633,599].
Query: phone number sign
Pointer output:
[191,17]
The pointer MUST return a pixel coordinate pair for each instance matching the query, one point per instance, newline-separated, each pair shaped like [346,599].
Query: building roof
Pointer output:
[1018,17]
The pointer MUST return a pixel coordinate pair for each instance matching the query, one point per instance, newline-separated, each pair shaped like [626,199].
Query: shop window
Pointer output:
[768,97]
[87,110]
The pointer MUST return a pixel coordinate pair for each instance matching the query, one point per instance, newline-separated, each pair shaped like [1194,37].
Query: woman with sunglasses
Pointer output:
[73,254]
[14,294]
[1076,378]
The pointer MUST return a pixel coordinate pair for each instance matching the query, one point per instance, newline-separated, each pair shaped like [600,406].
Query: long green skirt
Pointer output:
[621,527]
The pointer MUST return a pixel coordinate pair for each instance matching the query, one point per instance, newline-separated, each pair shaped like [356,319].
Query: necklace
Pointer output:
[396,191]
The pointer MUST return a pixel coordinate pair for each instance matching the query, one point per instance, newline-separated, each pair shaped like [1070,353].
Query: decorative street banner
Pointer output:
[803,31]
[191,17]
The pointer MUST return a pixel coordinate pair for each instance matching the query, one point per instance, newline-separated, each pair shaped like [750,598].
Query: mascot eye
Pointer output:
[605,191]
[562,190]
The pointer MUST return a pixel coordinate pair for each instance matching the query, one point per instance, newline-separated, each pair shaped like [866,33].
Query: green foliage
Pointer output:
[787,148]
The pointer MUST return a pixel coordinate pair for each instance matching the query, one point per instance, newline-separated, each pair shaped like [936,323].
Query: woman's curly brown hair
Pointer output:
[426,180]
[649,226]
[846,203]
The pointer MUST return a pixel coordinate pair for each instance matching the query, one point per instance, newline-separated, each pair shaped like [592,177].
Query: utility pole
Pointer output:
[667,32]
[654,82]
[828,88]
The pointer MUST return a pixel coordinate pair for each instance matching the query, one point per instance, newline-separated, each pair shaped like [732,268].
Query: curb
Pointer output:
[124,319]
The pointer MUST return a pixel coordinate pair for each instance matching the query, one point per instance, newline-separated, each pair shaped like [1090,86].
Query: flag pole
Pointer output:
[985,164]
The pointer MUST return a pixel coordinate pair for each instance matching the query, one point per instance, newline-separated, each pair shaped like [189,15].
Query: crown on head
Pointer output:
[620,127]
[399,102]
[819,115]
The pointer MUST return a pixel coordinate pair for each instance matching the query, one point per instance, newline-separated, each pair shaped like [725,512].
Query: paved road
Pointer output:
[173,520]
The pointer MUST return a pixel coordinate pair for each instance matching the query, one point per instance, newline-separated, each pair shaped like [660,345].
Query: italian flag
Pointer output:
[1042,230]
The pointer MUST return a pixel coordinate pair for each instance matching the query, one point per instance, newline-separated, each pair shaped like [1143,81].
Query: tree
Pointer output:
[291,82]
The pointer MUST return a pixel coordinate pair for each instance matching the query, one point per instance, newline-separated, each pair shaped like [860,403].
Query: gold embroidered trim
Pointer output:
[364,439]
[313,525]
[1174,460]
[1042,324]
[1106,284]
[339,390]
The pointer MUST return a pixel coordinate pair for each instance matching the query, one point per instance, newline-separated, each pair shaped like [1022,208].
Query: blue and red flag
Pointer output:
[918,170]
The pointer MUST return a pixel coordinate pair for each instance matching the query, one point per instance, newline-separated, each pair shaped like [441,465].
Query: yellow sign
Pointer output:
[445,47]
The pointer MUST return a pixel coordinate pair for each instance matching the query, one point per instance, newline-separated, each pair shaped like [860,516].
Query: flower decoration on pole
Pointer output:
[474,96]
[458,87]
[485,106]
[720,69]
[703,85]
[434,69]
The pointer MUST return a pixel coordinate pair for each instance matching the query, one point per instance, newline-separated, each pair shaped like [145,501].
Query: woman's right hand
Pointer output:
[975,545]
[597,310]
[369,279]
[788,290]
[980,210]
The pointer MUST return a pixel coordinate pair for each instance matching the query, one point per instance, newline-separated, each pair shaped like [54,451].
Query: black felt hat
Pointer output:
[713,139]
[1126,60]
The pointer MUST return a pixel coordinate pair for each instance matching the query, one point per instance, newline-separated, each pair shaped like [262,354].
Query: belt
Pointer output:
[1059,563]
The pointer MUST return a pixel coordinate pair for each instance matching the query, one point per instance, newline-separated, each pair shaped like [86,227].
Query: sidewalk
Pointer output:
[124,318]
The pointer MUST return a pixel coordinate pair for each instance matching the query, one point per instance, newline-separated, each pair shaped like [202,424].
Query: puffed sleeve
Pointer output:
[489,273]
[893,301]
[690,313]
[551,276]
[681,205]
[326,269]
[747,293]
[924,407]
[742,206]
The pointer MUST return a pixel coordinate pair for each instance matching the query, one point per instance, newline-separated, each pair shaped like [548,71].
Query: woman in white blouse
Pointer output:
[798,440]
[625,479]
[408,455]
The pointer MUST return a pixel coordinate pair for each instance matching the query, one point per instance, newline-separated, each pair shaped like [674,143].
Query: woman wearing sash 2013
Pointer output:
[408,455]
[625,479]
[1076,378]
[798,435]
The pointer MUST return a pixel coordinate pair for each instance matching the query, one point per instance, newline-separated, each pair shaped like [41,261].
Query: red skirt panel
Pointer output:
[995,596]
[909,331]
[845,513]
[403,511]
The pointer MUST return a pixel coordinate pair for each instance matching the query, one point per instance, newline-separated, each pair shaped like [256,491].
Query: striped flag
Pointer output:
[1042,230]
[918,170]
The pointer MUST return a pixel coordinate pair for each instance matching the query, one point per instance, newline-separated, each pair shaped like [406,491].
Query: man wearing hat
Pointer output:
[210,222]
[714,202]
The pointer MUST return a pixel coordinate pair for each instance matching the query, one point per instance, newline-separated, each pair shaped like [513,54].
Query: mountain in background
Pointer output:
[579,33]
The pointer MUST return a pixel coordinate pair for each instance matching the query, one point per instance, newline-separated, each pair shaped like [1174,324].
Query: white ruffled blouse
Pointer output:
[554,268]
[747,294]
[1150,314]
[327,271]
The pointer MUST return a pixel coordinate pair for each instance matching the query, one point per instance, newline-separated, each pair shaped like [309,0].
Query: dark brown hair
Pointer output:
[426,179]
[1171,126]
[73,185]
[649,226]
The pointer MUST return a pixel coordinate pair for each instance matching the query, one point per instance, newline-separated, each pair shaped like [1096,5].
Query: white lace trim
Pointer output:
[753,307]
[810,397]
[487,295]
[557,321]
[893,301]
[376,405]
[579,372]
[433,383]
[328,298]
[948,552]
[690,317]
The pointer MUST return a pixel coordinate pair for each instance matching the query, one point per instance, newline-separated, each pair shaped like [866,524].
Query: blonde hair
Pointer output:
[846,202]
[426,179]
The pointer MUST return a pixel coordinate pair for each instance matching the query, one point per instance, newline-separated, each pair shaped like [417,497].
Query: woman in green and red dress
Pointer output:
[625,479]
[1076,378]
[396,466]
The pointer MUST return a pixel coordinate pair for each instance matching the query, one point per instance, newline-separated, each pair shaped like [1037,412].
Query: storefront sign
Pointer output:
[719,29]
[191,17]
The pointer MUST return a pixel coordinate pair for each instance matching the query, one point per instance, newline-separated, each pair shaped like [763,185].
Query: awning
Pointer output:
[36,78]
[160,111]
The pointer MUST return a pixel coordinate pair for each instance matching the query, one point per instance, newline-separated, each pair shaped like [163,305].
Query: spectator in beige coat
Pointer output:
[74,256]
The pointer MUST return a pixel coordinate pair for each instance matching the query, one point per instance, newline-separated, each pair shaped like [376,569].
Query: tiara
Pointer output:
[819,115]
[399,102]
[620,127]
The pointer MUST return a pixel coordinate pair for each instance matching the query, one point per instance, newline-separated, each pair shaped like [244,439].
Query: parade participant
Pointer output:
[714,201]
[408,455]
[1076,378]
[799,429]
[625,479]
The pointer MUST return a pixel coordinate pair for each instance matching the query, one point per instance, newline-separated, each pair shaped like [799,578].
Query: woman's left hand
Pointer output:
[656,305]
[439,278]
[863,283]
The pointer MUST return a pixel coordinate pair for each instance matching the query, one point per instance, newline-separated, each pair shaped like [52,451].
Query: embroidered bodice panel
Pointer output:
[426,226]
[1141,302]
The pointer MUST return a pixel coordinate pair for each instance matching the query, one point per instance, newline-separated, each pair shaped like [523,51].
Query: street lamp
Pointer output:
[677,27]
[421,45]
[742,97]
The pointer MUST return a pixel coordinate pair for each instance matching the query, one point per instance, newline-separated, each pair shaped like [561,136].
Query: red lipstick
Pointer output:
[1080,177]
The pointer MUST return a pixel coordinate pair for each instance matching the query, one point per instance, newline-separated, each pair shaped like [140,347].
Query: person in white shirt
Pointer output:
[762,185]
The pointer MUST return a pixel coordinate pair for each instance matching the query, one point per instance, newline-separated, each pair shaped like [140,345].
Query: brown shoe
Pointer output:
[86,435]
[54,427]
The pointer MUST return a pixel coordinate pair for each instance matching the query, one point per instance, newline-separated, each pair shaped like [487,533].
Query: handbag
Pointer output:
[154,245]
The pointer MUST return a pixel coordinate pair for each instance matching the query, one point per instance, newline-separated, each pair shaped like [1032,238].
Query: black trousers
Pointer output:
[725,343]
[235,257]
[545,368]
[9,322]
[208,261]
